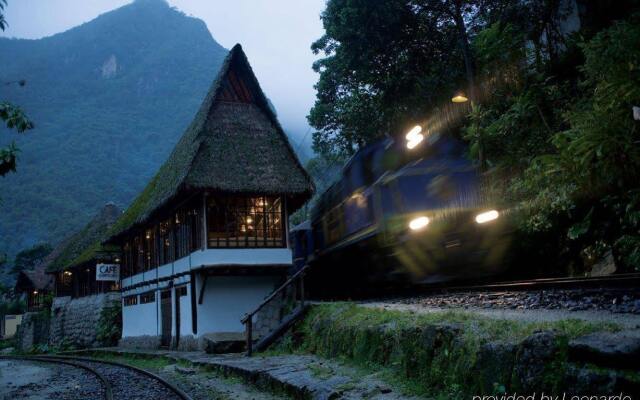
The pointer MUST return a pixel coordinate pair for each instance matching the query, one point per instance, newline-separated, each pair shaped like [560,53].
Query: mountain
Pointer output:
[109,100]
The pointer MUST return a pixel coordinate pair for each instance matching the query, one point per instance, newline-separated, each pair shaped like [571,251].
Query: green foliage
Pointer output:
[551,120]
[13,306]
[386,63]
[324,170]
[29,258]
[45,348]
[588,182]
[13,116]
[3,22]
[111,98]
[434,354]
[109,329]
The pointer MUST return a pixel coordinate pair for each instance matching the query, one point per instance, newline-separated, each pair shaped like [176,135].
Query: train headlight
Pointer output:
[419,223]
[414,137]
[414,133]
[487,216]
[415,141]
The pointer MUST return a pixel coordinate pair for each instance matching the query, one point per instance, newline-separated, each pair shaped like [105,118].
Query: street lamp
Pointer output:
[459,98]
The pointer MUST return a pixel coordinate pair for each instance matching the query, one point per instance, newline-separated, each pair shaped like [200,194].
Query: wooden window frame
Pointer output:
[221,214]
[148,297]
[131,300]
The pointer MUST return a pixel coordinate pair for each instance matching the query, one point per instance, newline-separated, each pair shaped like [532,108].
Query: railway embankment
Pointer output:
[458,354]
[349,350]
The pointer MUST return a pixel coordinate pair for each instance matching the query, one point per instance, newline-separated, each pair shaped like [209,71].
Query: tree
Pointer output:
[12,116]
[388,64]
[3,23]
[29,258]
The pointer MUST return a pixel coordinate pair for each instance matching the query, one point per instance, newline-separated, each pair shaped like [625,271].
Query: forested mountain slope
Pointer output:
[109,99]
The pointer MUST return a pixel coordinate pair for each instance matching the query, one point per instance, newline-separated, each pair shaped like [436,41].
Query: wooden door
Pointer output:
[165,313]
[177,318]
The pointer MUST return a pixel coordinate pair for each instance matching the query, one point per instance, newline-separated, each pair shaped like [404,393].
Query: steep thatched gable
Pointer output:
[34,279]
[84,245]
[235,144]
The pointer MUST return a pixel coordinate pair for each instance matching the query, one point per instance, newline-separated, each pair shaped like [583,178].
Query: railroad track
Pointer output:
[119,381]
[630,280]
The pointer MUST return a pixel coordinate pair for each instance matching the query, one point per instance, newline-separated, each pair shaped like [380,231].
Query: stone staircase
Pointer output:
[276,314]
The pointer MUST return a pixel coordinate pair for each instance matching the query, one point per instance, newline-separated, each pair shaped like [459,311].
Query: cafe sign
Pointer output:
[108,272]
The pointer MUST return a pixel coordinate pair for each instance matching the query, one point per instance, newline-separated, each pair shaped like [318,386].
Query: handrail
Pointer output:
[247,320]
[274,294]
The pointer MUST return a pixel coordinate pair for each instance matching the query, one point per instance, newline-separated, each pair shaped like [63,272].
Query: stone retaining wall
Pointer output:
[75,321]
[32,331]
[473,355]
[140,342]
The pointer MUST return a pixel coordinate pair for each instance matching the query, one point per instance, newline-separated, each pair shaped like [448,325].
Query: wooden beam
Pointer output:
[194,306]
[204,284]
[204,221]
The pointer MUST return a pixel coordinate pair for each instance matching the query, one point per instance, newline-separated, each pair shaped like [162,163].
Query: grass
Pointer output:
[432,354]
[6,343]
[153,364]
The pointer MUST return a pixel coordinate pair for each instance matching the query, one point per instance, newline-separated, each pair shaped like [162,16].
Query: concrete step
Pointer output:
[223,343]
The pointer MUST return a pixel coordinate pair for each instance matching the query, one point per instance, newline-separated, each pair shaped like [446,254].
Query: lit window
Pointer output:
[245,222]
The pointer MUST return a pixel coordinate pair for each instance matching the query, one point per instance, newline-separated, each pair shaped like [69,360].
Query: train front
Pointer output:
[440,223]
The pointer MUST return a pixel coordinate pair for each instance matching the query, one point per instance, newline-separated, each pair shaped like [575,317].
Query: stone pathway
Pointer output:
[207,385]
[300,376]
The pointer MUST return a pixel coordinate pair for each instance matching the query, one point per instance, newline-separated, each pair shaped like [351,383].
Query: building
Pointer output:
[85,283]
[9,325]
[207,239]
[74,262]
[35,285]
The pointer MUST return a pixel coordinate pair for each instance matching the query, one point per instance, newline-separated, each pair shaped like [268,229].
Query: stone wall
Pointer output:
[273,313]
[140,342]
[470,355]
[75,321]
[33,330]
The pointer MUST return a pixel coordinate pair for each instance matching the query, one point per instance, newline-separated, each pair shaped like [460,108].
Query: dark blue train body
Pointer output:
[396,216]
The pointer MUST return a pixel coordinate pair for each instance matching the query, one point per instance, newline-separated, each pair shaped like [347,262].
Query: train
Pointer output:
[402,213]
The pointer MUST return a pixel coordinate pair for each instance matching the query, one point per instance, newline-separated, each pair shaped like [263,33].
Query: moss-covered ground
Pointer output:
[434,354]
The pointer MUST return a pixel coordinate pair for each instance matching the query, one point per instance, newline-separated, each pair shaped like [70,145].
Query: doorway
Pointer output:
[165,311]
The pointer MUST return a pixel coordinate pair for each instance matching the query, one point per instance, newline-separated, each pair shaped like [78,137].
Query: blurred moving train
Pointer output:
[402,214]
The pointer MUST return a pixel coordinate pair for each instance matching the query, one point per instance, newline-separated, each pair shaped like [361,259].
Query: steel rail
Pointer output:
[628,280]
[108,390]
[179,392]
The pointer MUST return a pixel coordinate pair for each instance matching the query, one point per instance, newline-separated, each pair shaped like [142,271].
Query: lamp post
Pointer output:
[460,97]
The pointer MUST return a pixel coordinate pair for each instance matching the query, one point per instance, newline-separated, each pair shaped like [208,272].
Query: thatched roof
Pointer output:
[234,144]
[85,245]
[34,279]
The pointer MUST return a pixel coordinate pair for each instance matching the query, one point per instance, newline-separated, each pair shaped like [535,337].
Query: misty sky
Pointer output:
[275,34]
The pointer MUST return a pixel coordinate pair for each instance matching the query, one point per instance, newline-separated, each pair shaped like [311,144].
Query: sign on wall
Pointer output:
[108,272]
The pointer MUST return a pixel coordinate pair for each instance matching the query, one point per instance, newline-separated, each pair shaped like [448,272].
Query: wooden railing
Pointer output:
[292,303]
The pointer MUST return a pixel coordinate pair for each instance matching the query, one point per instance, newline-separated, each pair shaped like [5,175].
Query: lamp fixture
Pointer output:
[459,98]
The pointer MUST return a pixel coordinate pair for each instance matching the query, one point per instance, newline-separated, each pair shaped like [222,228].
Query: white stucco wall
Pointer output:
[210,257]
[141,319]
[228,298]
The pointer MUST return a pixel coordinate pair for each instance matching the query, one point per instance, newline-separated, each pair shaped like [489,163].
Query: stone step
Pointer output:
[607,349]
[223,343]
[300,376]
